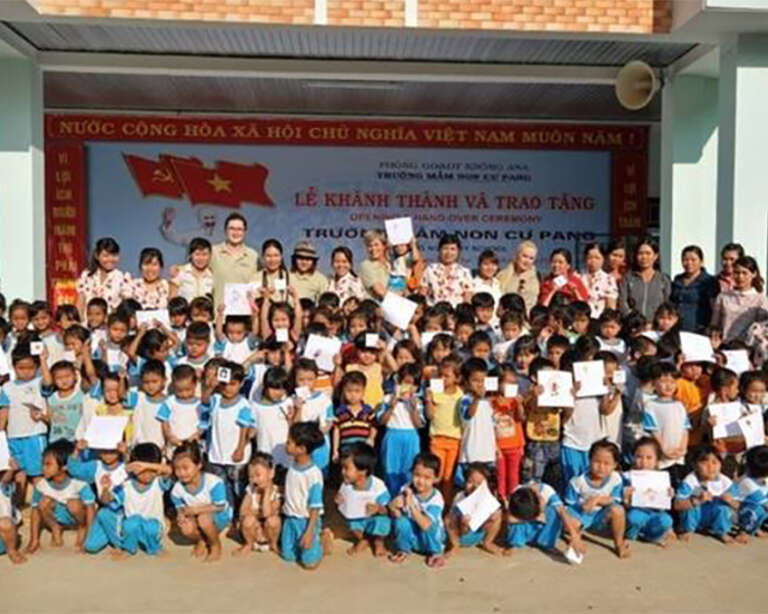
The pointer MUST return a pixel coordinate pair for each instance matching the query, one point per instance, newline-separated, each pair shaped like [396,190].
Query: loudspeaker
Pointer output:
[635,85]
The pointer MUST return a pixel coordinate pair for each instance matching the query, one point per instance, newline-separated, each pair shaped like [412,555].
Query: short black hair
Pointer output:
[512,302]
[262,458]
[275,377]
[526,343]
[757,462]
[191,449]
[198,243]
[61,449]
[306,435]
[429,461]
[524,504]
[666,368]
[183,372]
[61,365]
[483,299]
[178,306]
[329,299]
[147,452]
[233,217]
[201,303]
[605,444]
[67,311]
[98,303]
[199,331]
[363,457]
[353,377]
[581,308]
[649,441]
[537,364]
[702,452]
[558,341]
[236,371]
[154,366]
[473,365]
[449,239]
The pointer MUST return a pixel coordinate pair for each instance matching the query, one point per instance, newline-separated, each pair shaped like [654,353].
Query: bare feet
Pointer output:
[435,561]
[726,539]
[326,541]
[199,550]
[379,550]
[491,548]
[685,537]
[32,548]
[214,554]
[398,557]
[16,557]
[243,550]
[509,551]
[118,555]
[760,534]
[741,538]
[57,540]
[622,550]
[359,546]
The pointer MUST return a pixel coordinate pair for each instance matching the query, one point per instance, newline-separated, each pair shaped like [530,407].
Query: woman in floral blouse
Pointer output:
[102,278]
[603,290]
[447,280]
[344,282]
[151,290]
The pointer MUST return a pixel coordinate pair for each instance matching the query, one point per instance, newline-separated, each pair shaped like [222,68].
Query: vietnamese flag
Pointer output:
[249,181]
[205,185]
[154,177]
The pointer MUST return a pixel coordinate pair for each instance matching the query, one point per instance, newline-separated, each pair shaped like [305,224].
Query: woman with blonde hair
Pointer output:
[520,276]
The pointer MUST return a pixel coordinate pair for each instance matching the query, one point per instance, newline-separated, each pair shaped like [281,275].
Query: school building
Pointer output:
[466,60]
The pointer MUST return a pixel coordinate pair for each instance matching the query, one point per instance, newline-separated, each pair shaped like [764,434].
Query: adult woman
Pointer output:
[308,281]
[447,280]
[344,282]
[602,287]
[562,279]
[374,270]
[151,290]
[617,259]
[520,276]
[102,278]
[232,261]
[730,253]
[735,310]
[693,291]
[274,270]
[644,288]
[194,278]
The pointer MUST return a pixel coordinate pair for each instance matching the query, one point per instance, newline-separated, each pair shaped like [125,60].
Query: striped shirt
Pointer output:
[354,428]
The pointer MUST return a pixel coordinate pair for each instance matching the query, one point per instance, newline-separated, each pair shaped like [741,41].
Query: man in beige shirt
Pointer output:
[232,261]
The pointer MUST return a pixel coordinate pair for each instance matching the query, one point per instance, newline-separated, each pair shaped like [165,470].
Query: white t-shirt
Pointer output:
[20,397]
[146,427]
[303,490]
[583,428]
[226,420]
[668,418]
[478,437]
[271,421]
[146,503]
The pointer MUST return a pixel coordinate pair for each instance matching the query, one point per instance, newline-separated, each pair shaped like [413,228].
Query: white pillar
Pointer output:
[22,208]
[689,137]
[742,196]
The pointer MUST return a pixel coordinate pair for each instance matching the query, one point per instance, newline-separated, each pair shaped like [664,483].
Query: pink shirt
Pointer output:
[736,310]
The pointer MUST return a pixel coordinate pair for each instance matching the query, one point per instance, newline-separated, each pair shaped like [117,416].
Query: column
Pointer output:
[742,195]
[689,137]
[22,209]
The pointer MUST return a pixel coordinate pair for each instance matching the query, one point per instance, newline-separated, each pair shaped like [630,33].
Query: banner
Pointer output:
[161,181]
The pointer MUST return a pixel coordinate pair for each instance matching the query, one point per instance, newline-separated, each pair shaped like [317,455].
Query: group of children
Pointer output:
[232,425]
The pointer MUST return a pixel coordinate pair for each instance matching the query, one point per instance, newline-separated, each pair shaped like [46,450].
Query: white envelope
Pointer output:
[105,432]
[590,374]
[558,388]
[753,429]
[355,501]
[398,310]
[281,335]
[150,316]
[478,506]
[399,230]
[322,350]
[651,489]
[5,455]
[727,414]
[737,361]
[371,340]
[696,348]
[236,299]
[436,385]
[491,384]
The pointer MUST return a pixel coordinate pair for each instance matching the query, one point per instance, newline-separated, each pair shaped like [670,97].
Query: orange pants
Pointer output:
[447,450]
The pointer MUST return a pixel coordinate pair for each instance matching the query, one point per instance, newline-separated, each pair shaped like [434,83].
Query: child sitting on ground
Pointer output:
[260,509]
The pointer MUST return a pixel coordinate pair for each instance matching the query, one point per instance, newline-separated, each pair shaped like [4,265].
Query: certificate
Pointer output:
[322,350]
[558,388]
[105,432]
[727,414]
[436,385]
[399,230]
[696,348]
[753,429]
[236,299]
[281,335]
[478,506]
[651,489]
[590,375]
[150,316]
[397,310]
[737,361]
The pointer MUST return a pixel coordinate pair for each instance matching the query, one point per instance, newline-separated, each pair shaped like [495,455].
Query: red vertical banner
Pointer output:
[65,219]
[629,193]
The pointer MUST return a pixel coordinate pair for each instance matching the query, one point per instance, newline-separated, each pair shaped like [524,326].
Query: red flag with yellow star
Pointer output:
[249,181]
[205,185]
[154,178]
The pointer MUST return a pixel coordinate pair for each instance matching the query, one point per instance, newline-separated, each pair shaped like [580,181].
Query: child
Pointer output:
[272,416]
[96,319]
[41,316]
[200,500]
[654,525]
[418,514]
[229,420]
[486,280]
[594,498]
[367,363]
[666,318]
[60,501]
[401,415]
[704,499]
[110,349]
[508,424]
[612,407]
[197,344]
[442,409]
[557,345]
[313,406]
[360,484]
[146,427]
[23,416]
[302,538]
[536,517]
[181,413]
[693,389]
[457,525]
[610,329]
[512,324]
[178,313]
[236,336]
[666,420]
[645,373]
[354,420]
[64,399]
[751,492]
[19,316]
[260,509]
[478,437]
[483,306]
[582,314]
[10,517]
[114,402]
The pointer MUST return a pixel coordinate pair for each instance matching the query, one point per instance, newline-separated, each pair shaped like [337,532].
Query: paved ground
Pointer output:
[702,576]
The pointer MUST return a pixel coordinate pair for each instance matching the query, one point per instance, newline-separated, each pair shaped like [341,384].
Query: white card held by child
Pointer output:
[116,358]
[737,361]
[590,375]
[753,429]
[372,340]
[236,299]
[399,230]
[491,384]
[153,317]
[619,377]
[279,285]
[105,432]
[436,385]
[510,390]
[281,335]
[558,388]
[478,506]
[322,350]
[70,356]
[224,375]
[303,392]
[397,310]
[726,415]
[36,348]
[696,348]
[5,455]
[651,489]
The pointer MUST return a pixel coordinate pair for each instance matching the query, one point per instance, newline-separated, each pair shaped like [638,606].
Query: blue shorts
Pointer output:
[63,516]
[378,526]
[220,520]
[592,521]
[28,453]
[290,542]
[472,538]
